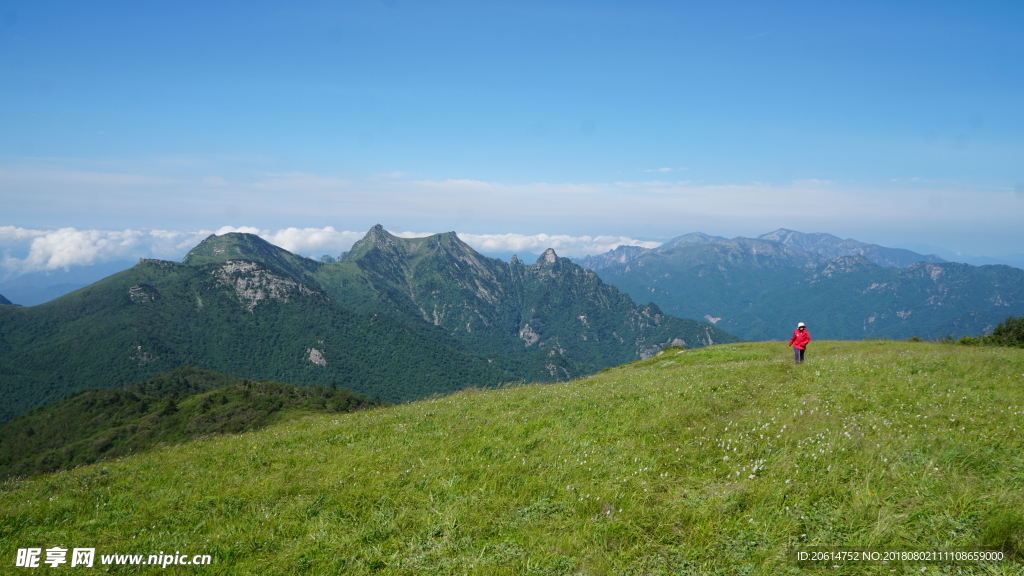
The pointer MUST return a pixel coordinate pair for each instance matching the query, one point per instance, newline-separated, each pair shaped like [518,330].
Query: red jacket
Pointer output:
[800,339]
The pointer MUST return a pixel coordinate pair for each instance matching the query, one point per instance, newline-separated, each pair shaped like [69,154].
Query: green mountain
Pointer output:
[759,289]
[397,319]
[558,318]
[172,407]
[549,320]
[249,247]
[236,316]
[724,460]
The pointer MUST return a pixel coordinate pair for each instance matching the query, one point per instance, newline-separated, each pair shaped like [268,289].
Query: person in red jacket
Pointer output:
[799,342]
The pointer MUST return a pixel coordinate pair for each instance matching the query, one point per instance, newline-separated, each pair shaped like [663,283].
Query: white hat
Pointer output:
[801,325]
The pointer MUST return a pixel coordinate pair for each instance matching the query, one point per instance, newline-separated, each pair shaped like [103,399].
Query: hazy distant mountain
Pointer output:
[832,247]
[4,300]
[38,287]
[691,238]
[1010,259]
[817,248]
[619,255]
[759,289]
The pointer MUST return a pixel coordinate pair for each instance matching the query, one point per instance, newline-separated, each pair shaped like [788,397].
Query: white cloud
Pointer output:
[563,244]
[659,205]
[25,250]
[313,241]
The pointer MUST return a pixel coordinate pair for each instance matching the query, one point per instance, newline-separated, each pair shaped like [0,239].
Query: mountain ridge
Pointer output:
[490,305]
[818,248]
[849,297]
[395,318]
[832,247]
[237,317]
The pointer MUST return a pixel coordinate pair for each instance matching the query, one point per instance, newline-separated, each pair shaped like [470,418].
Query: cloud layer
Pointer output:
[25,250]
[92,197]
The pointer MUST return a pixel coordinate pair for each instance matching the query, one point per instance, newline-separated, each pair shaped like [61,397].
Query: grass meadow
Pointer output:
[722,460]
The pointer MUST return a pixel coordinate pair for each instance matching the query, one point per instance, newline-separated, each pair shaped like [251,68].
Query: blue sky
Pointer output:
[891,123]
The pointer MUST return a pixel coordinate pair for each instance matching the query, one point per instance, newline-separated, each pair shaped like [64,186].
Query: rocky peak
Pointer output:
[618,255]
[830,247]
[250,281]
[688,239]
[548,257]
[230,246]
[251,248]
[379,234]
[452,242]
[379,238]
[800,240]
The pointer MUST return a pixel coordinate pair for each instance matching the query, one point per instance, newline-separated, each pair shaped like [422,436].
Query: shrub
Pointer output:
[1009,332]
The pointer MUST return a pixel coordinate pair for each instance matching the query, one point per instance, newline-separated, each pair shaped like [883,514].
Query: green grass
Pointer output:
[171,408]
[713,461]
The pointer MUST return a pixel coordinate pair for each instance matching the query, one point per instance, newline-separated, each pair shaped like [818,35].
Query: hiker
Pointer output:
[799,342]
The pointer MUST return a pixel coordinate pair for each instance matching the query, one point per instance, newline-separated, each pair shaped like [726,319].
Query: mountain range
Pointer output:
[759,288]
[816,248]
[395,318]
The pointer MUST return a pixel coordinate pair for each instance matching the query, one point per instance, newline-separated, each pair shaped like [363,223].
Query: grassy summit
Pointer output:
[716,460]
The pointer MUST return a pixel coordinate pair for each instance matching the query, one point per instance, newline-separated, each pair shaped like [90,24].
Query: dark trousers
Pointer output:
[798,355]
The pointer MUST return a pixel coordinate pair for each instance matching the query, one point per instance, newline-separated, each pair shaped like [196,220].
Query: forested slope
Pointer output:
[237,317]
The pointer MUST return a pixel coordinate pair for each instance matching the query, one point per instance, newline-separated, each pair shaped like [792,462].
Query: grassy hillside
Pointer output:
[712,461]
[173,407]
